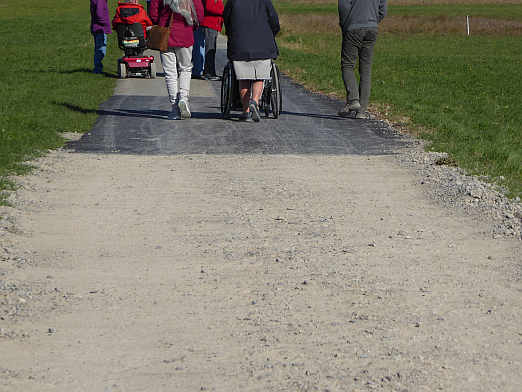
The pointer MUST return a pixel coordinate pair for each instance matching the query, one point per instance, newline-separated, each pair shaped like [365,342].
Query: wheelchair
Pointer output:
[271,102]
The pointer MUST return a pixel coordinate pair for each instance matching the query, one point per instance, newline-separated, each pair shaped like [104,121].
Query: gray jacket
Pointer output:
[359,14]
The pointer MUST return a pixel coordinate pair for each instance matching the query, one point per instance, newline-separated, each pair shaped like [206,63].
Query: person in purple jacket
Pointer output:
[100,27]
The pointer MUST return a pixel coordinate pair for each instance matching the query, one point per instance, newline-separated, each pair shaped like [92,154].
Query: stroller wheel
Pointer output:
[122,70]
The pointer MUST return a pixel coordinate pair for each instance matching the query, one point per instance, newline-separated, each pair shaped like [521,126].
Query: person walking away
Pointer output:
[130,12]
[359,21]
[212,25]
[251,27]
[100,27]
[182,16]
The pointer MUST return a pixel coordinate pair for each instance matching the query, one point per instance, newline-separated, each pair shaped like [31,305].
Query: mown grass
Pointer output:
[463,93]
[46,84]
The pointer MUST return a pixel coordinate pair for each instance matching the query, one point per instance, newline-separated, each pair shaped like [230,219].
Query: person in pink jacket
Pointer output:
[183,16]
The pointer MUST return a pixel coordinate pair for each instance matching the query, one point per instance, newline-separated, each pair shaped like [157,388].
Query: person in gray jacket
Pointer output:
[359,21]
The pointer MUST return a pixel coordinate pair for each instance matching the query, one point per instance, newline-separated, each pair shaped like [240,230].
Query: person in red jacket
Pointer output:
[130,12]
[212,24]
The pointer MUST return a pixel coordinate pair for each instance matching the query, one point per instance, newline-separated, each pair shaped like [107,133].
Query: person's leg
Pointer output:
[198,51]
[244,93]
[210,52]
[169,63]
[100,49]
[349,53]
[257,90]
[365,67]
[184,57]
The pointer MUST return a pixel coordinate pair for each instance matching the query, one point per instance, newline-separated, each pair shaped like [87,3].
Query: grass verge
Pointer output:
[463,92]
[46,82]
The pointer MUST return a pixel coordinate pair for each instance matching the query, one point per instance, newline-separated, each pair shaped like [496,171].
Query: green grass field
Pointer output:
[461,93]
[46,84]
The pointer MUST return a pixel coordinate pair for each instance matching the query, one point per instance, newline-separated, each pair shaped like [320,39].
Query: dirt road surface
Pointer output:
[290,255]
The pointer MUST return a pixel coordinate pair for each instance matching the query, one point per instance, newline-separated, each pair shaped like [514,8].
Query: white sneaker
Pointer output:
[183,106]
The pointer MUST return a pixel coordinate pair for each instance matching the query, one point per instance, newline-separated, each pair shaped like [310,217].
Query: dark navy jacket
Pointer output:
[251,26]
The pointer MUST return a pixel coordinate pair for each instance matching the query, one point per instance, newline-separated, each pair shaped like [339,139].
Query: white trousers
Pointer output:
[177,65]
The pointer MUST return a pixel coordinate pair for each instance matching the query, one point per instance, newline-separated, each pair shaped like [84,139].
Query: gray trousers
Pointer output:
[177,65]
[210,51]
[358,44]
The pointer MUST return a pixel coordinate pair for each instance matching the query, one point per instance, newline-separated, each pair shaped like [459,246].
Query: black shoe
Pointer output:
[200,77]
[245,116]
[211,77]
[254,109]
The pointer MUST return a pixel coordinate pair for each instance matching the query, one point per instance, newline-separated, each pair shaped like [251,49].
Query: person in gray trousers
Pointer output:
[359,21]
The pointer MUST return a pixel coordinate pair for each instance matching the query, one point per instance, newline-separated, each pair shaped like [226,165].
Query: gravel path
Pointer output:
[239,271]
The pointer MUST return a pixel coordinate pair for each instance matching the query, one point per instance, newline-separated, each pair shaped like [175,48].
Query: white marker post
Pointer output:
[467,23]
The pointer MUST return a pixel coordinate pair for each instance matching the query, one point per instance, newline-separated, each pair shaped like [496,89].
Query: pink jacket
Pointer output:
[181,33]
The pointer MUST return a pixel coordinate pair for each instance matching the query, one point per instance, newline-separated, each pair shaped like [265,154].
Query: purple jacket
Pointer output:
[100,17]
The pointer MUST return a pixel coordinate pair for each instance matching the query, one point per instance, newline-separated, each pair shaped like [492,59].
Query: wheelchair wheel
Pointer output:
[279,85]
[275,93]
[265,99]
[226,91]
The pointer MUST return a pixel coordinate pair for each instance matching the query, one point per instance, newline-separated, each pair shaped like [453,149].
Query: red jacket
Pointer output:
[213,14]
[181,33]
[129,13]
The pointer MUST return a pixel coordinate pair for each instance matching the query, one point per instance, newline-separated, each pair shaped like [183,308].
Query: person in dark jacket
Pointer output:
[100,27]
[251,27]
[183,16]
[359,21]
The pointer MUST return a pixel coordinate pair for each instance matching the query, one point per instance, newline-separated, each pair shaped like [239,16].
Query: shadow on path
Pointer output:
[138,124]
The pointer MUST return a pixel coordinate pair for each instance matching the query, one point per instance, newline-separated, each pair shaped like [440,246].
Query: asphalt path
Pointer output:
[134,121]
